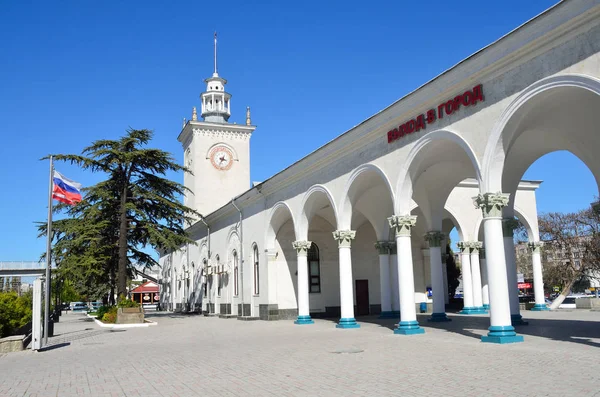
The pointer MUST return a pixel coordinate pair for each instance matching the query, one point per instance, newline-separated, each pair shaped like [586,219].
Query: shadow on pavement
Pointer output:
[53,347]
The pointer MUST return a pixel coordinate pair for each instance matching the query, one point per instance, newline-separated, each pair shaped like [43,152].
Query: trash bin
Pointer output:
[50,328]
[423,307]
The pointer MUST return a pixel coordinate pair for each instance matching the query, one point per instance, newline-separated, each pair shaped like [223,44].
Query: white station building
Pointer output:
[359,226]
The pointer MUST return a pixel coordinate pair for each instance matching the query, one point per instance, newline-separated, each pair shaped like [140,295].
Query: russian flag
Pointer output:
[65,190]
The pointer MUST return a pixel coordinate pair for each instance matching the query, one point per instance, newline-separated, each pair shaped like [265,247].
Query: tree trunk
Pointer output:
[123,226]
[566,291]
[111,298]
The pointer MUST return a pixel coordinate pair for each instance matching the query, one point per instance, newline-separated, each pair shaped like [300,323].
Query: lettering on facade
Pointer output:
[468,98]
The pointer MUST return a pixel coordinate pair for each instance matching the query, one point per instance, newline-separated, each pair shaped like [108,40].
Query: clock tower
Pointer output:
[216,151]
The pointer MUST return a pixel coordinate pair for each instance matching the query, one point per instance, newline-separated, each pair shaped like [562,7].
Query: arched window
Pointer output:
[314,269]
[256,269]
[235,273]
[205,284]
[220,280]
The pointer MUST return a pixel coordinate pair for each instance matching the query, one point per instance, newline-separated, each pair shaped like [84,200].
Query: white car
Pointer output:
[569,302]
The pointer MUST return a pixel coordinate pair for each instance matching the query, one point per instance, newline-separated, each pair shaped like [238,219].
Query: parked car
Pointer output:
[80,307]
[568,303]
[94,306]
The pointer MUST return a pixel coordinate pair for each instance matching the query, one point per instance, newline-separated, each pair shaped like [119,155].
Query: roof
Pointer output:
[147,287]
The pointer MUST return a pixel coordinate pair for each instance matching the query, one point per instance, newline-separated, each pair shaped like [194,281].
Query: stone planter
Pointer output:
[130,315]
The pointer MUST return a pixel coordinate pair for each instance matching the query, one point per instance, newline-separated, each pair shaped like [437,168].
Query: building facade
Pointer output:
[358,226]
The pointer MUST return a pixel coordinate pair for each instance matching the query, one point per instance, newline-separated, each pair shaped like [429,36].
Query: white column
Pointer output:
[476,276]
[501,329]
[467,280]
[394,279]
[434,238]
[408,317]
[344,239]
[271,256]
[36,315]
[485,292]
[303,305]
[383,247]
[508,226]
[538,279]
[445,272]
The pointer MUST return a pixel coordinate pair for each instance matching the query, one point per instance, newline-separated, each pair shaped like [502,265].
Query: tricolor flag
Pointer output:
[65,190]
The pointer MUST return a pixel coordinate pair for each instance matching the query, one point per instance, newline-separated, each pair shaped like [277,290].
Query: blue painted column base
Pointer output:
[486,307]
[438,318]
[467,310]
[301,320]
[396,313]
[409,328]
[347,323]
[517,319]
[539,308]
[388,315]
[502,335]
[479,310]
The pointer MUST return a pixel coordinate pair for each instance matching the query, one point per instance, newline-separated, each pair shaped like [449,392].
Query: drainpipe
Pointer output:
[206,275]
[241,254]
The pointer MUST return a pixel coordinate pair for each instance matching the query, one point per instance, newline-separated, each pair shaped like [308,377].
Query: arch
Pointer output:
[415,160]
[362,179]
[505,129]
[532,232]
[460,227]
[280,213]
[314,197]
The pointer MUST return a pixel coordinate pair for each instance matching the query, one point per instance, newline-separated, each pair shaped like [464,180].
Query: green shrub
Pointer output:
[15,312]
[127,303]
[101,311]
[109,318]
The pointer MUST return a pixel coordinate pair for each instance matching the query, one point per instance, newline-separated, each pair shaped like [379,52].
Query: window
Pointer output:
[205,284]
[256,269]
[314,269]
[220,280]
[235,273]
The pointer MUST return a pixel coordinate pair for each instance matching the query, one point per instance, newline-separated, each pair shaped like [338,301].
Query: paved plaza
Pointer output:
[202,356]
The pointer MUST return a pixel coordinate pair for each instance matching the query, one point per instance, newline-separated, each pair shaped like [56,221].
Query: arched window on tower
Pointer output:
[255,263]
[314,269]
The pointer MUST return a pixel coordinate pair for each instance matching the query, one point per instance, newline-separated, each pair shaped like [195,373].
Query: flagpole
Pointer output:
[48,254]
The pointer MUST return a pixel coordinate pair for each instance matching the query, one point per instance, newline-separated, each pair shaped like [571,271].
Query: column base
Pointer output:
[301,320]
[347,323]
[502,335]
[517,319]
[396,313]
[486,306]
[409,328]
[468,310]
[539,307]
[438,318]
[479,310]
[388,315]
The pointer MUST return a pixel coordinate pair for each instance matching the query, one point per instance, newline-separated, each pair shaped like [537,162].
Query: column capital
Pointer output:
[491,204]
[271,255]
[464,246]
[402,224]
[301,247]
[476,246]
[383,247]
[393,250]
[535,246]
[434,238]
[508,226]
[344,237]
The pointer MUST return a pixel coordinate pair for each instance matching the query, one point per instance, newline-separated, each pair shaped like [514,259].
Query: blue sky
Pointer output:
[73,72]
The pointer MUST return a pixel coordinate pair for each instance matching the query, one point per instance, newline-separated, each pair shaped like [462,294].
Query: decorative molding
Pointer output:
[301,247]
[393,248]
[476,247]
[402,224]
[508,227]
[463,246]
[272,254]
[491,204]
[535,246]
[222,134]
[344,237]
[434,238]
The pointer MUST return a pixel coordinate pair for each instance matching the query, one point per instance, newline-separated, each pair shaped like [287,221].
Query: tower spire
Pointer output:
[215,54]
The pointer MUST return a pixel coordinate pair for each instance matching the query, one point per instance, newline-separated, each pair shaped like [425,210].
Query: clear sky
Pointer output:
[75,71]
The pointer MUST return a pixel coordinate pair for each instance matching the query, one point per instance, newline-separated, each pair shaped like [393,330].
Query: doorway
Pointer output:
[362,297]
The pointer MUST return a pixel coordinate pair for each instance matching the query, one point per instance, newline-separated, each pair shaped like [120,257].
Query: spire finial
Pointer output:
[248,121]
[194,114]
[184,123]
[216,52]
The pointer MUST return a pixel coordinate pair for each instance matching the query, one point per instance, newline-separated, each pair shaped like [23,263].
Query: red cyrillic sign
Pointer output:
[468,98]
[524,285]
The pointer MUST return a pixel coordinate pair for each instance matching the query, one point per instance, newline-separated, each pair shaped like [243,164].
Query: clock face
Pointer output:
[221,158]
